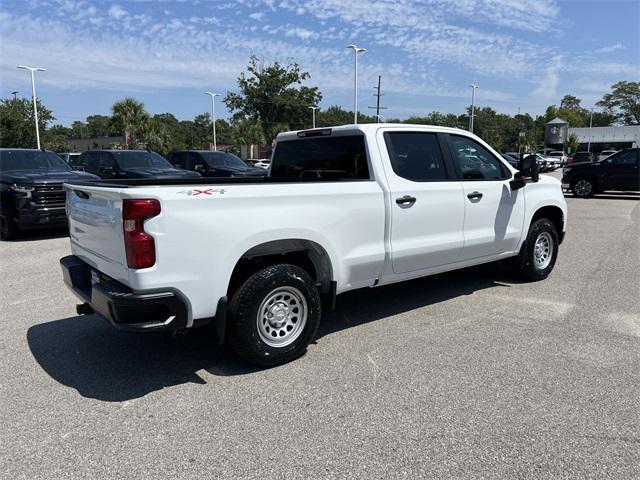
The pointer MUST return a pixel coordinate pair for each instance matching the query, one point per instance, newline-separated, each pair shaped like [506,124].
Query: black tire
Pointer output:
[527,264]
[8,228]
[247,337]
[583,187]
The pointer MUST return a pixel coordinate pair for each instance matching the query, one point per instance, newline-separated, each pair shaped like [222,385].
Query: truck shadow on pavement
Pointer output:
[87,354]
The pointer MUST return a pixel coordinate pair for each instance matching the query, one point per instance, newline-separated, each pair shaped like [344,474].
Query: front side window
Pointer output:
[322,158]
[626,157]
[475,161]
[416,156]
[223,159]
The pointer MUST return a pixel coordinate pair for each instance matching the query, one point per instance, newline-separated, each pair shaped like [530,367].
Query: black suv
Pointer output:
[114,164]
[617,172]
[31,193]
[214,164]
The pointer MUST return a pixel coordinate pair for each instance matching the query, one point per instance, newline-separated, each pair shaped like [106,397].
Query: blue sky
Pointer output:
[522,53]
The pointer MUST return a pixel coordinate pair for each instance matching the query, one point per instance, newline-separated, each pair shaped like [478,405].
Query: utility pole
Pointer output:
[378,95]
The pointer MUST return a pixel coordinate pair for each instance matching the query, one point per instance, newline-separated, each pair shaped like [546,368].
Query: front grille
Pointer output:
[48,195]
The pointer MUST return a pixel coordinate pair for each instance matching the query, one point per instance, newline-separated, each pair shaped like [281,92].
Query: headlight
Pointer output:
[21,188]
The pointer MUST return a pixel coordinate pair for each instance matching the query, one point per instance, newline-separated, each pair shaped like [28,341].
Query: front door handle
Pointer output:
[474,195]
[406,201]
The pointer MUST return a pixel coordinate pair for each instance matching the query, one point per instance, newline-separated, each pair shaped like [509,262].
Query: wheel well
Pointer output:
[305,254]
[555,215]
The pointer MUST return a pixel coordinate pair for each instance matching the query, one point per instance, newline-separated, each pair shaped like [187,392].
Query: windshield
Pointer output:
[138,159]
[222,159]
[31,160]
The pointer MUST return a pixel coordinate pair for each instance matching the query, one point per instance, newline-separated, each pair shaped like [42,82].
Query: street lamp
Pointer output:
[15,94]
[473,97]
[33,92]
[313,116]
[590,125]
[356,51]
[213,116]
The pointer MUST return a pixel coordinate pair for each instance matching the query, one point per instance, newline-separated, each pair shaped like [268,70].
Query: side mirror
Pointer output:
[529,168]
[517,183]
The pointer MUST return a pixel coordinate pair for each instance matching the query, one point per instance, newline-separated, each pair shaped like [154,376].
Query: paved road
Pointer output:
[465,375]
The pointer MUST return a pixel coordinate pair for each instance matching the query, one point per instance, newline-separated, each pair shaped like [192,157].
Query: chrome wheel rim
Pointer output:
[543,251]
[583,187]
[282,316]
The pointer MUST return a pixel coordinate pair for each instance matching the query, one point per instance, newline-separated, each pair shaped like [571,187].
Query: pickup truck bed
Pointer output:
[342,208]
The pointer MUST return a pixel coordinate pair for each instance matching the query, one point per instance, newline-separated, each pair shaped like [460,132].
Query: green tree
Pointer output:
[273,95]
[623,103]
[130,117]
[17,128]
[56,138]
[100,126]
[335,116]
[249,132]
[156,136]
[572,143]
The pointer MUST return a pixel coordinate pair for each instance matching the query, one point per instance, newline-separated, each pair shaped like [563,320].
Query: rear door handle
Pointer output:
[406,201]
[474,195]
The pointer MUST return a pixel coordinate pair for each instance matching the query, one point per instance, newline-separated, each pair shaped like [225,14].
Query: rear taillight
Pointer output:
[139,245]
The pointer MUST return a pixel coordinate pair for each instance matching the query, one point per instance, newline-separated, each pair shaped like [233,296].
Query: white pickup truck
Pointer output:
[342,208]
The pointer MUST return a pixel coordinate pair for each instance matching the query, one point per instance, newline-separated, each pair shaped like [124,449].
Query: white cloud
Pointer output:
[611,48]
[547,88]
[256,15]
[117,12]
[301,33]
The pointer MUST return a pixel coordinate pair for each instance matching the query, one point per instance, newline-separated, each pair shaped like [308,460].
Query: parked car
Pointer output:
[260,162]
[213,164]
[511,160]
[342,208]
[117,164]
[31,193]
[606,154]
[580,157]
[559,154]
[68,157]
[617,172]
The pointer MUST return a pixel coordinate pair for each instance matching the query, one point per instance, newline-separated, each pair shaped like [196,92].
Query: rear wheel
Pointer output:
[583,187]
[8,228]
[274,315]
[538,255]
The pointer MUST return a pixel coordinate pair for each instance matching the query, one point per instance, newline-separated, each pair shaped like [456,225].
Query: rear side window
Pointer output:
[322,158]
[416,156]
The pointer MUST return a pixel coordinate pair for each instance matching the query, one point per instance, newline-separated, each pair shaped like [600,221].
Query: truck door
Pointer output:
[427,207]
[493,213]
[622,171]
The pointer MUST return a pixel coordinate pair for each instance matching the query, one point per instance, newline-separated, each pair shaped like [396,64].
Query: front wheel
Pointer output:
[274,315]
[584,188]
[8,228]
[538,254]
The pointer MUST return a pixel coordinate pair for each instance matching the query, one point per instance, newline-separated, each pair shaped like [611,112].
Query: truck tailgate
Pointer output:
[95,228]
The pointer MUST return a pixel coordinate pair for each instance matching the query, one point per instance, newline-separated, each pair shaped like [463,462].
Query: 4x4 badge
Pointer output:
[196,191]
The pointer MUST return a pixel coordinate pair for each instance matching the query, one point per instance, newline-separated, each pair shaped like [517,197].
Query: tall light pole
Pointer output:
[313,115]
[590,125]
[213,116]
[356,51]
[15,94]
[33,93]
[473,98]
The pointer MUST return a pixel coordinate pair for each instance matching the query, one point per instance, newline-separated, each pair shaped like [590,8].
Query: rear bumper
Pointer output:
[125,309]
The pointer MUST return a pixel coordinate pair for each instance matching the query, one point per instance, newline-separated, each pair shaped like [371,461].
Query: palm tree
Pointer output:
[249,132]
[129,115]
[156,136]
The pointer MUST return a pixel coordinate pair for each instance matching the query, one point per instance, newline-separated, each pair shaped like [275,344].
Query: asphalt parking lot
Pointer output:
[464,375]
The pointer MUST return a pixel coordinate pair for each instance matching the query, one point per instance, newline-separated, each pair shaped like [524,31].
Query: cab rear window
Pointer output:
[322,158]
